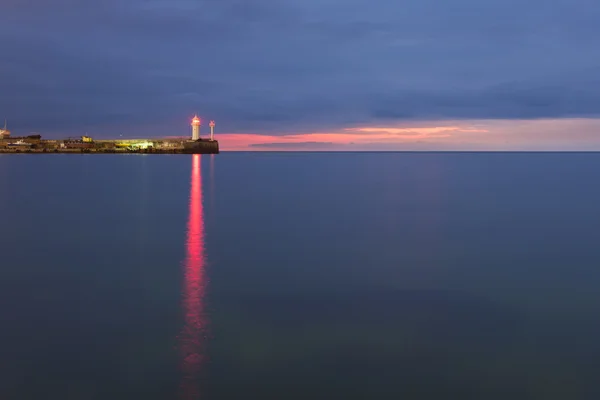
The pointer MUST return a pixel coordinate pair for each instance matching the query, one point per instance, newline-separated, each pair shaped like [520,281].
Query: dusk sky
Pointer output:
[307,74]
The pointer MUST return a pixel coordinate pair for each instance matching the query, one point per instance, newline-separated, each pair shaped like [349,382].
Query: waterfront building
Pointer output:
[4,133]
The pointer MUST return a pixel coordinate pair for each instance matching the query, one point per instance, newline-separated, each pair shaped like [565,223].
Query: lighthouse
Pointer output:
[195,128]
[212,130]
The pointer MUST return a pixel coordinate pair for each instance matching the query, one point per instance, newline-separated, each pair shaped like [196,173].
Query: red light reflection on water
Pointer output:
[191,340]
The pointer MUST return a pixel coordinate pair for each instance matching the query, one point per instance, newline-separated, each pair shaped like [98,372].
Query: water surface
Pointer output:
[300,276]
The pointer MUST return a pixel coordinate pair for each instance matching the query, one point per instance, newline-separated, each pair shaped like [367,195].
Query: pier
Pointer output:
[30,145]
[34,144]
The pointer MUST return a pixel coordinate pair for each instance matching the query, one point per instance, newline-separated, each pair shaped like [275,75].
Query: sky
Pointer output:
[307,74]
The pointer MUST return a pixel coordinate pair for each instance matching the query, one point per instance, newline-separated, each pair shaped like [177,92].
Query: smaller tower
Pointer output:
[212,130]
[195,128]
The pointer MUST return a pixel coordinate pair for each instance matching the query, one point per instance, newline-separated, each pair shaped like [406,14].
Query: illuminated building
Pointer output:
[4,133]
[195,128]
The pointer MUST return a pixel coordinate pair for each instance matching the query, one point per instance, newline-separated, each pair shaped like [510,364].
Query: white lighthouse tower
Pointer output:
[195,128]
[212,130]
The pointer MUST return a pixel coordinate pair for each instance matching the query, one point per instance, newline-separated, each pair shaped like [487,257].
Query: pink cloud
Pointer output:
[341,138]
[550,134]
[412,131]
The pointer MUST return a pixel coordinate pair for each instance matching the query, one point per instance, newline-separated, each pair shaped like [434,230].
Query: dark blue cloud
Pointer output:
[281,66]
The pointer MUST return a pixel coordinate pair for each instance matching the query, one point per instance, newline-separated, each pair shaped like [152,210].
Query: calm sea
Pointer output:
[300,276]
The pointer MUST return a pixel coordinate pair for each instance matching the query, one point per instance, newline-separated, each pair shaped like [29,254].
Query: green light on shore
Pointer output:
[141,145]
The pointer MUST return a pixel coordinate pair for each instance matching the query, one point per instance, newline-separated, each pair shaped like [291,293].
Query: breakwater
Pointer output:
[36,145]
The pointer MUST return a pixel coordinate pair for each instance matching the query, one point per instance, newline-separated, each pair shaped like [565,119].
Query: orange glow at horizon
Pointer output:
[192,337]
